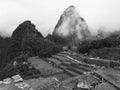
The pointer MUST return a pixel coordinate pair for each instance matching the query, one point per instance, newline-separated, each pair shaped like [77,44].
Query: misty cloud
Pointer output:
[71,23]
[45,13]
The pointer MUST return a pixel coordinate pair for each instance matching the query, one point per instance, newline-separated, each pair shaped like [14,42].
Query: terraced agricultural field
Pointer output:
[45,68]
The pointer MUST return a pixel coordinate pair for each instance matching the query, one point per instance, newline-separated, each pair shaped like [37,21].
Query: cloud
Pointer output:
[11,14]
[45,13]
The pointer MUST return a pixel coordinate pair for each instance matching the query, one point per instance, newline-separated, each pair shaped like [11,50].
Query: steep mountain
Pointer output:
[71,26]
[27,41]
[26,30]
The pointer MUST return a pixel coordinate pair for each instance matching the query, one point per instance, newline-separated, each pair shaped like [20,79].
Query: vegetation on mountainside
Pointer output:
[25,42]
[106,48]
[57,40]
[40,47]
[4,44]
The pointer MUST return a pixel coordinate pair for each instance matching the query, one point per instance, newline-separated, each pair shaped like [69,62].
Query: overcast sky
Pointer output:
[45,13]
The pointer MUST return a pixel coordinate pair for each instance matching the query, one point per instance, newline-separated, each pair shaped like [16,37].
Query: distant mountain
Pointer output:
[71,27]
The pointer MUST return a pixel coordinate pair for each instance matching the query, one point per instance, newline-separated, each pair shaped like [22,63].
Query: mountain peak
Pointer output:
[26,30]
[24,33]
[71,25]
[70,8]
[27,22]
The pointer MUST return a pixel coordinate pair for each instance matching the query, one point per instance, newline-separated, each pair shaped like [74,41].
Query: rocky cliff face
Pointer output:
[24,32]
[27,41]
[71,26]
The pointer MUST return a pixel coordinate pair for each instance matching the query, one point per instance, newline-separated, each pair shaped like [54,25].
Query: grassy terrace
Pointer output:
[111,75]
[45,68]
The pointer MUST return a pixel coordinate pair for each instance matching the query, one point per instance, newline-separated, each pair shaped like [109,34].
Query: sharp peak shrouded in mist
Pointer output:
[71,24]
[71,7]
[70,10]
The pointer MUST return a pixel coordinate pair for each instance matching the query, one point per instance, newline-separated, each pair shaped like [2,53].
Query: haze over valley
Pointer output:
[59,45]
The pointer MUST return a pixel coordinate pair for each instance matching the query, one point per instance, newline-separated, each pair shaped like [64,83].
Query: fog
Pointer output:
[44,14]
[71,23]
